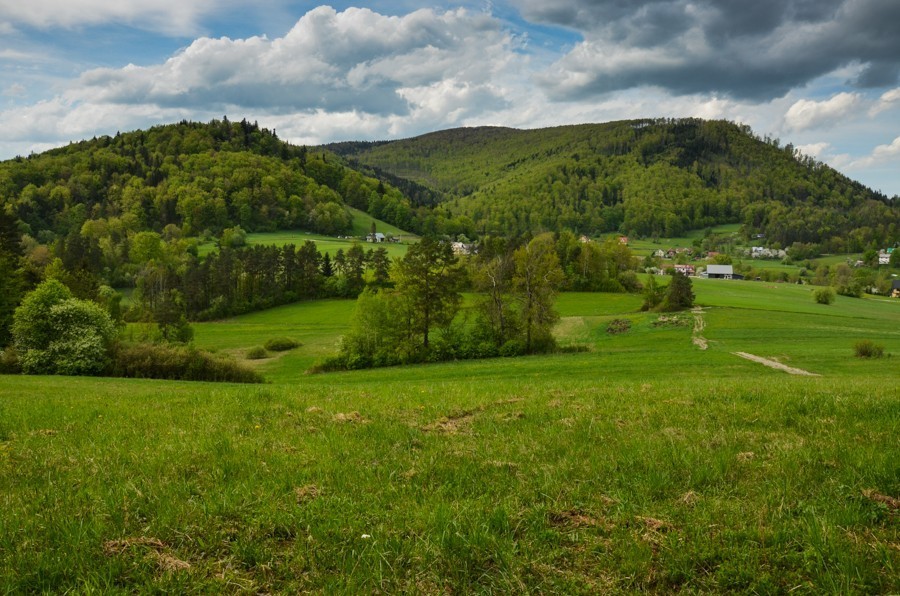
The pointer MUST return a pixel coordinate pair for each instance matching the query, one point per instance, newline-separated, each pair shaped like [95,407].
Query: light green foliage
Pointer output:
[234,237]
[536,282]
[281,344]
[823,295]
[257,353]
[57,334]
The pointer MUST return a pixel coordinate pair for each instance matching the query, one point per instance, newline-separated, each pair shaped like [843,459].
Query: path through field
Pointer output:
[699,325]
[776,365]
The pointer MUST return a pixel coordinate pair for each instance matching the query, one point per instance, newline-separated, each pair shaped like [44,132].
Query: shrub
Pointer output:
[161,361]
[514,347]
[257,353]
[617,326]
[9,361]
[57,334]
[866,348]
[281,344]
[823,295]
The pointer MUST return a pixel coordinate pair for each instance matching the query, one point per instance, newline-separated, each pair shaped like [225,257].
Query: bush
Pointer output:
[186,363]
[617,326]
[9,361]
[514,347]
[57,334]
[823,295]
[866,348]
[257,353]
[281,344]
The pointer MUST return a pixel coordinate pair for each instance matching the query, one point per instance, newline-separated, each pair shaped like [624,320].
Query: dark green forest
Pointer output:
[640,177]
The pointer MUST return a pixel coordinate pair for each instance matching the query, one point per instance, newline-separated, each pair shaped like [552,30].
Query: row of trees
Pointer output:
[416,318]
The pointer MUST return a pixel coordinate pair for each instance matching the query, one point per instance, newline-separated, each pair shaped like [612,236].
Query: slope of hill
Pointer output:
[198,177]
[643,177]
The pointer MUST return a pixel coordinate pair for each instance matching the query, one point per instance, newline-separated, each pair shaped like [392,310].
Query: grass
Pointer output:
[329,244]
[644,465]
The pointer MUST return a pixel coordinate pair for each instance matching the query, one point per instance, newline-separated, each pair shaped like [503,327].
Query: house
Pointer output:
[584,239]
[376,237]
[623,240]
[722,272]
[684,269]
[461,248]
[884,257]
[895,288]
[660,253]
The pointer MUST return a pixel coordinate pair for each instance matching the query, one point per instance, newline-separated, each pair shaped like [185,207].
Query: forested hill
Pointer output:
[193,178]
[642,177]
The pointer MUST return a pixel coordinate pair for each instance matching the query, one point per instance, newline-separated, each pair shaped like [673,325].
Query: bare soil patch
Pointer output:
[775,364]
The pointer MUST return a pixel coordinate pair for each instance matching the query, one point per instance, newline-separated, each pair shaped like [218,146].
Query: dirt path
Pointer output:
[699,325]
[776,365]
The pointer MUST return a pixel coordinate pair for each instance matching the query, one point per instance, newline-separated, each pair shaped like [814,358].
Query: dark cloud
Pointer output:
[756,49]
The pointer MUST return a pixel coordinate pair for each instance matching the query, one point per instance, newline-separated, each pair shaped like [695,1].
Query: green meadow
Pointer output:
[362,223]
[644,464]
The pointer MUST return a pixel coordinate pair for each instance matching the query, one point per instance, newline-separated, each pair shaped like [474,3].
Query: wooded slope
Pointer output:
[641,177]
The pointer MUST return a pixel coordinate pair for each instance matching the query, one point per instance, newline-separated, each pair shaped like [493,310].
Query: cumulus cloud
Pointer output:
[356,60]
[881,155]
[816,150]
[887,101]
[753,50]
[806,114]
[176,17]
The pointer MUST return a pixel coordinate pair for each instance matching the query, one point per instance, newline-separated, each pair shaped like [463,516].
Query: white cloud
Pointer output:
[15,90]
[887,101]
[806,113]
[881,155]
[816,150]
[356,60]
[177,17]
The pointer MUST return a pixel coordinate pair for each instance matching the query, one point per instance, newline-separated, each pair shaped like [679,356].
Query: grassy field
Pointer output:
[328,244]
[647,464]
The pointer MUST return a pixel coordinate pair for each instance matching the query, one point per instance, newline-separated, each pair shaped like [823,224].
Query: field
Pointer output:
[328,244]
[646,464]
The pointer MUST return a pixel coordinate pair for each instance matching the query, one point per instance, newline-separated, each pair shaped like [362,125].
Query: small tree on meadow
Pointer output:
[679,294]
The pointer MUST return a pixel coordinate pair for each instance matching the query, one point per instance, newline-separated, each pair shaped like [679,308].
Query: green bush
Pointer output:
[281,344]
[257,353]
[866,348]
[57,334]
[161,361]
[824,295]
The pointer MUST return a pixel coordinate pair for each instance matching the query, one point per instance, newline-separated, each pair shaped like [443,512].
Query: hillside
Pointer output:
[201,178]
[641,177]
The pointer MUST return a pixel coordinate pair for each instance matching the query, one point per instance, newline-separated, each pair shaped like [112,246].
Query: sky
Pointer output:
[823,75]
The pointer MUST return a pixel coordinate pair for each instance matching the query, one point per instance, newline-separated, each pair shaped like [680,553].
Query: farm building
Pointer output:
[376,237]
[895,289]
[721,272]
[684,269]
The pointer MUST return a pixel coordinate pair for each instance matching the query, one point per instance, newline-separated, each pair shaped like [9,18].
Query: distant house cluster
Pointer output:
[761,252]
[673,253]
[378,238]
[462,248]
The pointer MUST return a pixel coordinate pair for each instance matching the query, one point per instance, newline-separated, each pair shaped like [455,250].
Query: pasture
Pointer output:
[329,244]
[646,464]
